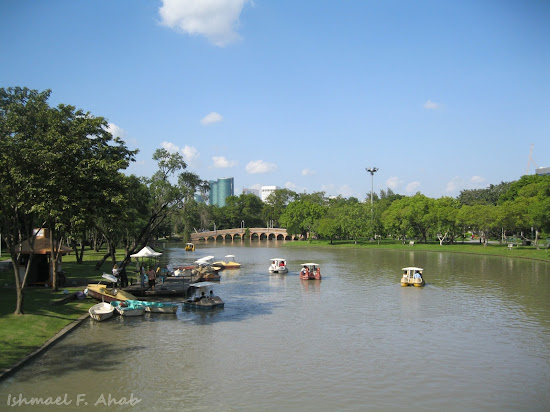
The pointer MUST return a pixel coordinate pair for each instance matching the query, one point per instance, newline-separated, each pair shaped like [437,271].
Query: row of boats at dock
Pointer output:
[116,300]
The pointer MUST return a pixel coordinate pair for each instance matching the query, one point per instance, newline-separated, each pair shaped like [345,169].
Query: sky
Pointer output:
[440,96]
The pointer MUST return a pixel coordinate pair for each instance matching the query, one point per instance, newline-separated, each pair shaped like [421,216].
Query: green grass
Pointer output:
[20,335]
[494,249]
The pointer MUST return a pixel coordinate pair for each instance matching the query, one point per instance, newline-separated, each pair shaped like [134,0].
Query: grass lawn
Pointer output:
[494,249]
[20,335]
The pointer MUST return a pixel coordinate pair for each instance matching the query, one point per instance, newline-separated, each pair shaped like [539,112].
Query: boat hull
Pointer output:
[278,270]
[206,303]
[105,294]
[101,311]
[413,282]
[161,309]
[131,312]
[310,277]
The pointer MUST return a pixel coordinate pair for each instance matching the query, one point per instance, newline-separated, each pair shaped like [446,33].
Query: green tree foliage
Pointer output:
[487,196]
[58,165]
[275,204]
[300,216]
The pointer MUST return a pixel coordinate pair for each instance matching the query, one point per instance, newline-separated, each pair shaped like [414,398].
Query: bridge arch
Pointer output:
[232,235]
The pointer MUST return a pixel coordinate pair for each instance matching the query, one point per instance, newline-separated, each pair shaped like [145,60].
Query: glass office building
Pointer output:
[220,190]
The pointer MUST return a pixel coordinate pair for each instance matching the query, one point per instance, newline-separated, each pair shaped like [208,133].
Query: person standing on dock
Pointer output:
[152,275]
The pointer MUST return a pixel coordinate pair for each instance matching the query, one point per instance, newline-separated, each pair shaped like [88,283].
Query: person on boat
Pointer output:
[203,296]
[152,275]
[303,272]
[211,295]
[417,275]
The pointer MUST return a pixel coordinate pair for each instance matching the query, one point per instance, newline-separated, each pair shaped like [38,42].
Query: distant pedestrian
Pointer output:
[152,276]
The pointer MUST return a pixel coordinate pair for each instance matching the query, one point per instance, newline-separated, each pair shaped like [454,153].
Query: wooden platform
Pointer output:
[172,287]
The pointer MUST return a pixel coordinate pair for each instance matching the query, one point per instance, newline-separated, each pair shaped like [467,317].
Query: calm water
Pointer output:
[476,337]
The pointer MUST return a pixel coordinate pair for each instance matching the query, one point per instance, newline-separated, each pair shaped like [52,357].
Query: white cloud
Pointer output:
[308,172]
[259,166]
[412,187]
[345,191]
[458,183]
[431,105]
[220,162]
[290,186]
[394,182]
[171,147]
[212,117]
[455,184]
[190,153]
[477,180]
[116,131]
[214,19]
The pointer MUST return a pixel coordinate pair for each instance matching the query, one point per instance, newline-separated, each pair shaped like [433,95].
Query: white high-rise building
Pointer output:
[265,191]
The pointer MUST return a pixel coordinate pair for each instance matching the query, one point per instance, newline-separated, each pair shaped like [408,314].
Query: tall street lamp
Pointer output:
[372,171]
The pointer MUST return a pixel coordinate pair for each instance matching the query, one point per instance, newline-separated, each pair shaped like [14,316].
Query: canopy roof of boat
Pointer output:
[412,268]
[230,256]
[310,264]
[278,259]
[109,277]
[203,284]
[189,243]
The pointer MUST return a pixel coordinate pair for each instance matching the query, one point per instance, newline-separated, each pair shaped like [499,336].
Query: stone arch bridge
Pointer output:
[254,233]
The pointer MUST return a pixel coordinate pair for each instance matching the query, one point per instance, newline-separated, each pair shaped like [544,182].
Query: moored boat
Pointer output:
[157,307]
[129,307]
[101,311]
[107,294]
[310,271]
[230,263]
[412,276]
[278,265]
[203,297]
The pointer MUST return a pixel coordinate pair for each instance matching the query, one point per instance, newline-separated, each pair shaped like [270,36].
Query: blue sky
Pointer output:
[440,95]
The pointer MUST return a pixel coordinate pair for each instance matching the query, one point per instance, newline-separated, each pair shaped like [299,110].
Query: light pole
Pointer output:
[372,171]
[242,224]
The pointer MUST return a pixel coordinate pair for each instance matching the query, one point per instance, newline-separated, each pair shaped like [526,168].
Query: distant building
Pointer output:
[255,192]
[221,190]
[265,191]
[198,198]
[542,171]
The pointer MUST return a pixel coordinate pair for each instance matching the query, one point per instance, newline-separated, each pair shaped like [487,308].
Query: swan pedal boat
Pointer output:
[409,278]
[278,265]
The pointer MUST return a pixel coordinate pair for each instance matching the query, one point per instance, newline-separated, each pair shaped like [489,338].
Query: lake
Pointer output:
[476,337]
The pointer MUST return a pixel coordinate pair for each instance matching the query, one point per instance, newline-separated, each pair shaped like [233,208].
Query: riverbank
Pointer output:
[471,247]
[43,319]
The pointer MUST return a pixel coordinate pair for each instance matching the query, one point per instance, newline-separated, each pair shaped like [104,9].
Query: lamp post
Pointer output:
[372,171]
